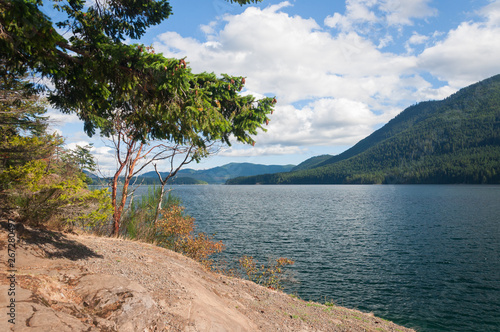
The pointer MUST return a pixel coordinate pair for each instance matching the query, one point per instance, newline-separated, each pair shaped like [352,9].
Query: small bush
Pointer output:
[176,230]
[271,276]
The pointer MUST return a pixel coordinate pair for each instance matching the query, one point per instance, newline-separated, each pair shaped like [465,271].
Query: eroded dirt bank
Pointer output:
[69,282]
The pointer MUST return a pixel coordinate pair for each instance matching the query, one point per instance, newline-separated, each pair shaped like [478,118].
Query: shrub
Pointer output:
[175,230]
[271,276]
[42,196]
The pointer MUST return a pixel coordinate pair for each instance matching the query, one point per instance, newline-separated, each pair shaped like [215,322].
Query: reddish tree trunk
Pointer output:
[118,208]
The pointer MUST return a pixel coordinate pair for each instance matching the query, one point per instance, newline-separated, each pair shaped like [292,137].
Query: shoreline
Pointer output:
[69,276]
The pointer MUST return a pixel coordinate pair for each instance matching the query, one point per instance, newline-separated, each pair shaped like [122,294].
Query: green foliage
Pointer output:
[39,180]
[329,303]
[312,162]
[27,176]
[22,124]
[101,79]
[43,196]
[456,140]
[271,276]
[93,210]
[82,157]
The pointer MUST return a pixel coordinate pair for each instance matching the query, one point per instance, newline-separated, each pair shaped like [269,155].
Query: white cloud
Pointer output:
[401,12]
[361,10]
[363,14]
[57,120]
[72,146]
[59,117]
[467,54]
[335,21]
[283,4]
[415,39]
[385,41]
[492,13]
[208,28]
[105,159]
[103,155]
[323,122]
[292,57]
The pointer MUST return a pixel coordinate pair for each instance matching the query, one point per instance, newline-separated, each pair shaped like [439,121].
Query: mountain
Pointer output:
[311,162]
[222,173]
[455,140]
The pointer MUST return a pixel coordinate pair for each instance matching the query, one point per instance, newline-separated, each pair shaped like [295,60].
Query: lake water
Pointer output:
[426,257]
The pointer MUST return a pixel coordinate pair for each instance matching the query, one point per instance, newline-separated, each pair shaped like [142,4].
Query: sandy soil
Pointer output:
[53,269]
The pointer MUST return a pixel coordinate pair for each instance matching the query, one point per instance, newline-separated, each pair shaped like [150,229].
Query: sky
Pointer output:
[338,69]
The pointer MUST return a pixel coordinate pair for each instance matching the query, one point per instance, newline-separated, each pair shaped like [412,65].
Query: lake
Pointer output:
[423,256]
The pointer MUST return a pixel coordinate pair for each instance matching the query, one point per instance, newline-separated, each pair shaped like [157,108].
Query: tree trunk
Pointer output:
[158,207]
[116,215]
[117,210]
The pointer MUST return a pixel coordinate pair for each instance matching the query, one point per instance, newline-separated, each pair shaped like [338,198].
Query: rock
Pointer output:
[108,303]
[31,316]
[118,300]
[41,318]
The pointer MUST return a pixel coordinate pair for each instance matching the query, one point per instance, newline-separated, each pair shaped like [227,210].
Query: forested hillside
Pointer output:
[311,162]
[455,140]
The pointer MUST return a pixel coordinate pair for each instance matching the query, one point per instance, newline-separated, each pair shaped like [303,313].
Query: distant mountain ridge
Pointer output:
[312,162]
[221,174]
[455,140]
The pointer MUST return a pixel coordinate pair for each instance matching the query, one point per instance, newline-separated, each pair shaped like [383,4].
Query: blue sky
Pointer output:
[339,69]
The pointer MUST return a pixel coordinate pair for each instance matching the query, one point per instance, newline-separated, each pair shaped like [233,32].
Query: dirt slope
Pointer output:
[69,282]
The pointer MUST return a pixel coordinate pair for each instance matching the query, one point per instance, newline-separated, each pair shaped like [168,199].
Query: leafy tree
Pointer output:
[53,194]
[40,181]
[22,124]
[106,82]
[82,157]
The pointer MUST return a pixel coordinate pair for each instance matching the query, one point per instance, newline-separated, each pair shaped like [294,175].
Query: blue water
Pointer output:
[426,257]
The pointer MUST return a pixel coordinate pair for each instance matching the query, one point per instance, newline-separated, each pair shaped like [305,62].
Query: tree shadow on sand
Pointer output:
[52,244]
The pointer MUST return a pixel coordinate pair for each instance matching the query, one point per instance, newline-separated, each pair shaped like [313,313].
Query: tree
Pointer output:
[82,157]
[204,109]
[22,124]
[105,81]
[39,181]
